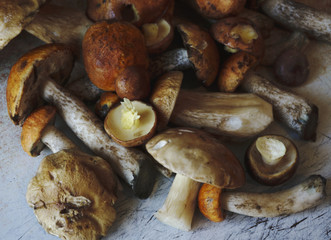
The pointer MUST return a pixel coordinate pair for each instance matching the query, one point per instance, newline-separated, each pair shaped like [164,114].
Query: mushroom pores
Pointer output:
[131,125]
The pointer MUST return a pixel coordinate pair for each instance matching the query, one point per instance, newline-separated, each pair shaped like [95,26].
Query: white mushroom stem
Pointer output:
[132,165]
[55,140]
[178,209]
[303,196]
[176,59]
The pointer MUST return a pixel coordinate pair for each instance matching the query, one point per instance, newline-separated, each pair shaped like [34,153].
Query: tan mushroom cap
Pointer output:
[73,195]
[197,155]
[202,51]
[48,61]
[33,127]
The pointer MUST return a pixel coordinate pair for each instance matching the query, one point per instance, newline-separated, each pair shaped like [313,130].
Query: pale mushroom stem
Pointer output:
[176,59]
[55,140]
[178,209]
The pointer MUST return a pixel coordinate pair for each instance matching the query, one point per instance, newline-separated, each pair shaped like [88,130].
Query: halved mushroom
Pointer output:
[196,157]
[131,123]
[272,159]
[73,195]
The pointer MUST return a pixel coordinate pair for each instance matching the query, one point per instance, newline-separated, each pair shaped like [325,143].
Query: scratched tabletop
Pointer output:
[135,217]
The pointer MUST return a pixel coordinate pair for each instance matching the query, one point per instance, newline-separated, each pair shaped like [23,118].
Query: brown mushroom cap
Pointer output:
[108,48]
[222,31]
[272,174]
[197,155]
[219,8]
[48,61]
[73,195]
[137,12]
[202,52]
[33,127]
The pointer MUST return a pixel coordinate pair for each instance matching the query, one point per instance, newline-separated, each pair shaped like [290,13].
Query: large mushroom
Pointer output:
[32,79]
[196,157]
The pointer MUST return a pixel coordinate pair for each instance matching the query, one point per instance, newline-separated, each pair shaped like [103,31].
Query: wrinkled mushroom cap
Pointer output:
[33,128]
[73,195]
[53,61]
[197,155]
[202,52]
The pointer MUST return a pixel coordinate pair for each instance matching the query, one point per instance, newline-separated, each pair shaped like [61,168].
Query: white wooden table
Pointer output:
[135,218]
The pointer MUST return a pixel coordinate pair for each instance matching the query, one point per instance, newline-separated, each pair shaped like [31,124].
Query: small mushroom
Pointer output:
[131,123]
[73,195]
[197,158]
[237,116]
[272,159]
[109,48]
[38,130]
[31,80]
[238,33]
[107,101]
[201,53]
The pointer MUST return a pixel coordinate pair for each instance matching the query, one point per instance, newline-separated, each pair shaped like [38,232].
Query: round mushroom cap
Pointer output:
[23,94]
[197,155]
[109,48]
[33,127]
[219,8]
[202,52]
[73,195]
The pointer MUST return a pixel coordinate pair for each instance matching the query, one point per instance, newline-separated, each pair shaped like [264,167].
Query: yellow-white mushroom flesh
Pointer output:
[271,149]
[156,32]
[246,33]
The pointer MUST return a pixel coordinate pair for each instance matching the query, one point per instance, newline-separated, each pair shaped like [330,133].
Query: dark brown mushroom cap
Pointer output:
[219,8]
[202,51]
[73,195]
[53,61]
[33,127]
[222,32]
[272,174]
[197,155]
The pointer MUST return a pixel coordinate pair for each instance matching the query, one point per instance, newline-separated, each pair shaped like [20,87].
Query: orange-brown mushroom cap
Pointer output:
[33,127]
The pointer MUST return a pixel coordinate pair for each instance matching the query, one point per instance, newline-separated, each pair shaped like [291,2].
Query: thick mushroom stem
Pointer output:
[55,140]
[178,209]
[132,165]
[176,59]
[290,109]
[305,195]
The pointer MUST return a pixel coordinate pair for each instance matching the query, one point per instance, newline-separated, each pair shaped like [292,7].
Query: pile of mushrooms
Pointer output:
[146,121]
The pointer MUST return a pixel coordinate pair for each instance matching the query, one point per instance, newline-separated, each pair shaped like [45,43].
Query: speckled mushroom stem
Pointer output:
[305,195]
[290,109]
[300,17]
[176,59]
[178,209]
[56,140]
[132,165]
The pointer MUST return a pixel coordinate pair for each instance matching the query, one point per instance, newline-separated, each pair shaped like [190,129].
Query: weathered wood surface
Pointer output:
[135,218]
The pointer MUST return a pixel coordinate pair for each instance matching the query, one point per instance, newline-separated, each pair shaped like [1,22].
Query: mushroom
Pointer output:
[306,194]
[38,130]
[73,195]
[238,33]
[272,159]
[131,123]
[36,71]
[107,101]
[292,110]
[14,16]
[299,17]
[109,48]
[201,53]
[196,157]
[237,116]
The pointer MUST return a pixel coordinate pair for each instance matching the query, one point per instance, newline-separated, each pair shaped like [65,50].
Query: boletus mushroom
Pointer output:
[196,157]
[272,159]
[73,195]
[131,123]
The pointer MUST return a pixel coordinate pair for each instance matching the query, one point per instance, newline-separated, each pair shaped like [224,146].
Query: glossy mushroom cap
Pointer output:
[53,61]
[73,195]
[33,127]
[196,154]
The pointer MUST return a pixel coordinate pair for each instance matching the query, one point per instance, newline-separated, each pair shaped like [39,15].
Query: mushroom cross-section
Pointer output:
[197,158]
[32,79]
[73,195]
